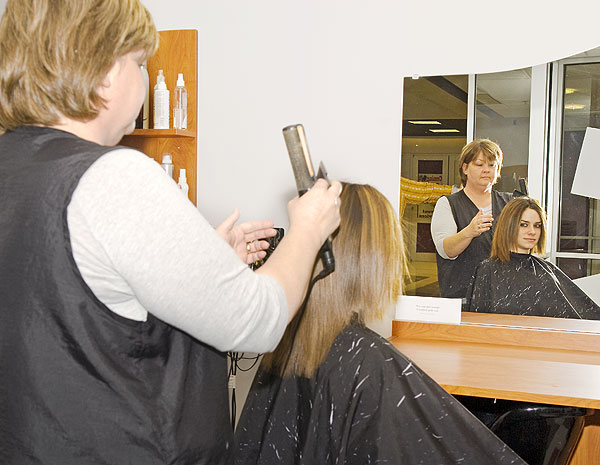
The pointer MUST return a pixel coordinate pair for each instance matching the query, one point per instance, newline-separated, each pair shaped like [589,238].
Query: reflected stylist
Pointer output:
[462,225]
[117,297]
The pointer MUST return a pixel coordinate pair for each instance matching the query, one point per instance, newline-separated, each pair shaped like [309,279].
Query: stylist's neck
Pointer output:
[477,190]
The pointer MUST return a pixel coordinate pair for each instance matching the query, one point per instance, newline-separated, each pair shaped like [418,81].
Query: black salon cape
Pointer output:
[365,404]
[527,285]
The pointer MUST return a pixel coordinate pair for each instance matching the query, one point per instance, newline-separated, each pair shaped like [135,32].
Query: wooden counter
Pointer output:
[535,359]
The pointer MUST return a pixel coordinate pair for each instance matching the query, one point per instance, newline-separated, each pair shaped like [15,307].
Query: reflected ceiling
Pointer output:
[499,95]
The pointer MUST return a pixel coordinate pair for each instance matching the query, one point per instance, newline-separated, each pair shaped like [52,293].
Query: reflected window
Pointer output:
[579,227]
[578,268]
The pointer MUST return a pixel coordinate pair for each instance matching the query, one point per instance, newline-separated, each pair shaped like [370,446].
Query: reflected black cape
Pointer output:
[527,285]
[365,404]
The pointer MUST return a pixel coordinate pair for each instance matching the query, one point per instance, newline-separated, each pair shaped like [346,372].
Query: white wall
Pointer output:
[261,69]
[336,67]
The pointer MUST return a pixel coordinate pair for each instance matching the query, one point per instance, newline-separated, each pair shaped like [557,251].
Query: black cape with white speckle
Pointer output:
[366,404]
[527,285]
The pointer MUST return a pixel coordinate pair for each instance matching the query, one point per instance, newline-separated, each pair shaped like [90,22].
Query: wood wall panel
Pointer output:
[177,53]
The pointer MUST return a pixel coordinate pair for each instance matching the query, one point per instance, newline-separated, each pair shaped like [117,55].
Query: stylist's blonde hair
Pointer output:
[507,229]
[369,265]
[55,53]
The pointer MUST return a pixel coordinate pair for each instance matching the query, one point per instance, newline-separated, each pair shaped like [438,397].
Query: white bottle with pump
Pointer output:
[180,104]
[161,102]
[183,185]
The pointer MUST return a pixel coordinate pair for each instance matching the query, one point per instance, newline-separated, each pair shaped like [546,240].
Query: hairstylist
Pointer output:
[462,226]
[116,296]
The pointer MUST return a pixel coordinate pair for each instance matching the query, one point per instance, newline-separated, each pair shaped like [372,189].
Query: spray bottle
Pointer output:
[180,104]
[183,185]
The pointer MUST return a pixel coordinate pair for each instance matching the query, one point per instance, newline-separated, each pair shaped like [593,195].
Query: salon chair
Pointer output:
[541,434]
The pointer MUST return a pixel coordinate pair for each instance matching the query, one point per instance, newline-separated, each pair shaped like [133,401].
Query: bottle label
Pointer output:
[161,109]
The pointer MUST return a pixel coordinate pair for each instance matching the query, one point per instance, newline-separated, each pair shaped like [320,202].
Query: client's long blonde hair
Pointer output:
[369,265]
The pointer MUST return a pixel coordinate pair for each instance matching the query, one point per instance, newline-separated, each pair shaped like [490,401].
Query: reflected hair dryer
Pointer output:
[295,141]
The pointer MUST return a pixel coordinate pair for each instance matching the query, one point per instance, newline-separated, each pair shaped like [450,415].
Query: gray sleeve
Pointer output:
[142,246]
[442,226]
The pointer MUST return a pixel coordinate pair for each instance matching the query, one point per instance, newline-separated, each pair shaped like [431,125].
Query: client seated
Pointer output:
[336,392]
[514,281]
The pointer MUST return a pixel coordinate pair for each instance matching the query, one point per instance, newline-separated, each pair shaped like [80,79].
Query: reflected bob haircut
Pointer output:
[367,281]
[55,53]
[491,151]
[507,229]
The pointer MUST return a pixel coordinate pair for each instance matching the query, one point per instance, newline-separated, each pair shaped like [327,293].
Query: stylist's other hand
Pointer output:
[317,213]
[480,224]
[245,237]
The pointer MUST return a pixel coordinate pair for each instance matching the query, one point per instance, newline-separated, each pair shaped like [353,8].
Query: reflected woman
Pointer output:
[337,392]
[463,225]
[516,282]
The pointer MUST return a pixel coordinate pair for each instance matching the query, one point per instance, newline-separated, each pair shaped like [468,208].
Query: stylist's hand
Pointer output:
[480,224]
[244,237]
[317,213]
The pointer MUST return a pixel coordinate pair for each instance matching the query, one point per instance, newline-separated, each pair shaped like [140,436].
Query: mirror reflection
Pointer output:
[538,116]
[514,280]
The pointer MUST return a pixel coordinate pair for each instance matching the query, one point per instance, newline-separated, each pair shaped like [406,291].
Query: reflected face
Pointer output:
[481,172]
[530,228]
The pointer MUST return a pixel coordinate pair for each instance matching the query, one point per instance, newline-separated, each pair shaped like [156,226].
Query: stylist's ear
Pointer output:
[109,79]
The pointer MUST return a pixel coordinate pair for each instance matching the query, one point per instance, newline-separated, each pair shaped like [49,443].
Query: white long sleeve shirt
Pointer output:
[142,247]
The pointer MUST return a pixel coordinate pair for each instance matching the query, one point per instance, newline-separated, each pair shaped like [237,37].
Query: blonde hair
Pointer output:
[507,229]
[55,53]
[490,150]
[369,256]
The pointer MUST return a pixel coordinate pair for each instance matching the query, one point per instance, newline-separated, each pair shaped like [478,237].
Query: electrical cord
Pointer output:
[234,366]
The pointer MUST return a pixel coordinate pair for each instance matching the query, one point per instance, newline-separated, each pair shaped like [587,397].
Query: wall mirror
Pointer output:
[538,115]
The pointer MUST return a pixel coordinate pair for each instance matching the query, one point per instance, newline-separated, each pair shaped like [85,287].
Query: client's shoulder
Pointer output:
[357,347]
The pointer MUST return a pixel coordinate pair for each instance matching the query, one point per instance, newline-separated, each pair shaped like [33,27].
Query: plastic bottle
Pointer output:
[183,185]
[161,102]
[167,164]
[180,104]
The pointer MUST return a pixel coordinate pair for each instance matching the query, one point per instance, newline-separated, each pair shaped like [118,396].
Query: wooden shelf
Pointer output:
[163,133]
[177,53]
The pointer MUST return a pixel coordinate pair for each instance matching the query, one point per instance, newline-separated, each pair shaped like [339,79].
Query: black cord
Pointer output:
[234,366]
